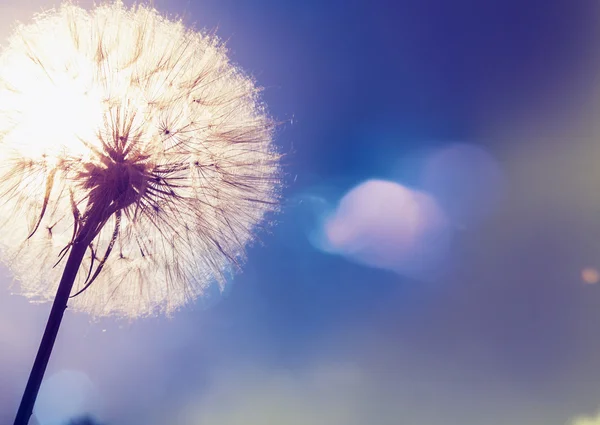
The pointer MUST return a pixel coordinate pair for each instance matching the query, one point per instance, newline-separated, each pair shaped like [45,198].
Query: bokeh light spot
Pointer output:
[386,225]
[63,396]
[590,275]
[466,181]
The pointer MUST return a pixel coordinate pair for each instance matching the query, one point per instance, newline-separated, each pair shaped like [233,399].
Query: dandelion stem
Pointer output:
[92,223]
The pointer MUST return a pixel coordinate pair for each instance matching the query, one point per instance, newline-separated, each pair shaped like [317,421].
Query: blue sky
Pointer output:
[505,332]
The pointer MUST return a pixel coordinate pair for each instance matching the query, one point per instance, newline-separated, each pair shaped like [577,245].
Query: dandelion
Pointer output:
[136,162]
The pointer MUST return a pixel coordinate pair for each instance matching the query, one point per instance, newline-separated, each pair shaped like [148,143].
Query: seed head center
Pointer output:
[120,182]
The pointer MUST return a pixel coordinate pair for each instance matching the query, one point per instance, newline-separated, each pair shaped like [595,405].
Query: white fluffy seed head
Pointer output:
[125,103]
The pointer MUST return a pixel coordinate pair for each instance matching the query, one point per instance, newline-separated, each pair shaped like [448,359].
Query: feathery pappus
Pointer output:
[125,123]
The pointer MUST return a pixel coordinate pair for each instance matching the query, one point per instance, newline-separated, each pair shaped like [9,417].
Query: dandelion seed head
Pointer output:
[124,107]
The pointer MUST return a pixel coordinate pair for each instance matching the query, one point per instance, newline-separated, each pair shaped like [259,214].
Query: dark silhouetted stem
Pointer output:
[77,252]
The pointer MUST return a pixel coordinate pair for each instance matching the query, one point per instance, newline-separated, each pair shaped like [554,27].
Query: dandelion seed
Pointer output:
[136,165]
[124,109]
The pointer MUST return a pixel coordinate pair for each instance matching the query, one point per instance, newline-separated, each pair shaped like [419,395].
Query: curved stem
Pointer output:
[96,215]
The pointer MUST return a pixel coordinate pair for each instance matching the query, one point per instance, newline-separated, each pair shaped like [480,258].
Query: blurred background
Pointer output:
[437,258]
